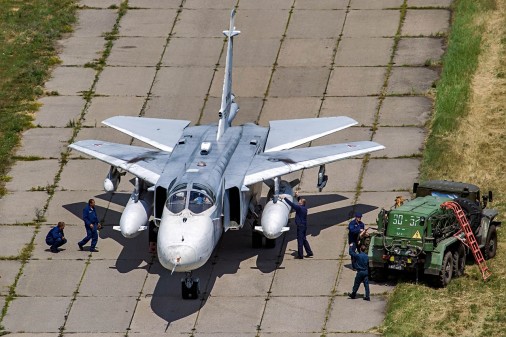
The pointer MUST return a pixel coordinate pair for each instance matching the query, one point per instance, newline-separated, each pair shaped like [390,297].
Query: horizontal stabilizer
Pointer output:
[275,164]
[287,134]
[158,132]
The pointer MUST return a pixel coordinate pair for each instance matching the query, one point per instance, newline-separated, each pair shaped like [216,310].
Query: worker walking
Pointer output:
[92,225]
[301,222]
[362,276]
[55,238]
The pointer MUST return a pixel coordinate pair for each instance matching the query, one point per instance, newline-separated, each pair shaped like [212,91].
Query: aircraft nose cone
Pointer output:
[178,256]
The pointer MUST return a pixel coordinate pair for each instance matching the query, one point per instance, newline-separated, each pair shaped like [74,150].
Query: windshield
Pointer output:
[177,199]
[200,199]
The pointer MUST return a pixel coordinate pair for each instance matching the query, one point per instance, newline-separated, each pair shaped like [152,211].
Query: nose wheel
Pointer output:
[190,289]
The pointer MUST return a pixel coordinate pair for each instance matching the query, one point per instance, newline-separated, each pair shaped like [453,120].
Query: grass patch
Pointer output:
[28,31]
[467,143]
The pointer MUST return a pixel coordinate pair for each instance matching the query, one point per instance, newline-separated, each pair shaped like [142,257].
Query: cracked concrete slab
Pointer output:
[309,24]
[50,313]
[187,108]
[70,81]
[194,51]
[59,111]
[94,22]
[136,51]
[419,51]
[401,174]
[405,111]
[357,51]
[306,52]
[26,205]
[183,82]
[339,320]
[356,81]
[125,81]
[426,22]
[8,274]
[371,23]
[46,143]
[307,81]
[80,50]
[293,107]
[248,81]
[148,22]
[32,175]
[411,81]
[399,141]
[50,278]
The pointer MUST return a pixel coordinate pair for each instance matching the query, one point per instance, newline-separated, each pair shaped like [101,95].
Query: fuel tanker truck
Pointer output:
[424,235]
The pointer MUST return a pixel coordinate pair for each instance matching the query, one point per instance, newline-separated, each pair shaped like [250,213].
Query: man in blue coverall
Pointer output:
[55,238]
[91,224]
[355,229]
[362,265]
[301,222]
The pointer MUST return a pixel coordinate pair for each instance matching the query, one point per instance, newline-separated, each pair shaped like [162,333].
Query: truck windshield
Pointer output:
[177,199]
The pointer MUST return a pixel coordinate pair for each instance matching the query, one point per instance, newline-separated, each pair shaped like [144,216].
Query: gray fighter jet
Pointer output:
[204,180]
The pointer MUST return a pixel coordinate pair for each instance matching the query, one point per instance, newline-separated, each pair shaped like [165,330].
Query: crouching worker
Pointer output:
[55,238]
[362,265]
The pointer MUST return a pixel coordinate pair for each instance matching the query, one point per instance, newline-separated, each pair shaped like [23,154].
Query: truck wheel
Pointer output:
[459,261]
[446,271]
[377,274]
[491,243]
[472,211]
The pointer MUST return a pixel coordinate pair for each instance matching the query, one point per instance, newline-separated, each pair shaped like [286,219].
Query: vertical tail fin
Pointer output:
[228,108]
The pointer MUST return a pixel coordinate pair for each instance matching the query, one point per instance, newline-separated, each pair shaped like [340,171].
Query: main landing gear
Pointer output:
[190,287]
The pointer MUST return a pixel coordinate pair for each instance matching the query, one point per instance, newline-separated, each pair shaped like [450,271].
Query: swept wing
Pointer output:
[287,134]
[274,164]
[160,133]
[144,163]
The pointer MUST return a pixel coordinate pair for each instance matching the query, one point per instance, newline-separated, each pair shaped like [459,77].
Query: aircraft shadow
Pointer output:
[233,249]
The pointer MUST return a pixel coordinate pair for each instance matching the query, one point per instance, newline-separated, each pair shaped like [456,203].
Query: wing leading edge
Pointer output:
[160,133]
[144,163]
[274,164]
[287,134]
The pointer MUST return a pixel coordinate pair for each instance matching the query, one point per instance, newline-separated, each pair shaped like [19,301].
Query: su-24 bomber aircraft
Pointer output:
[203,180]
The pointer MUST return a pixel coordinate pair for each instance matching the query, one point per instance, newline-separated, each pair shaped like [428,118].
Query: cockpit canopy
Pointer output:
[200,198]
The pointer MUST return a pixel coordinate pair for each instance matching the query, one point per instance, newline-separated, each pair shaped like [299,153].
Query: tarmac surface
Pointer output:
[293,59]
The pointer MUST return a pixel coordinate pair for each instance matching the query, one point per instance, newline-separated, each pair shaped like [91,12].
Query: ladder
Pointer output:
[471,240]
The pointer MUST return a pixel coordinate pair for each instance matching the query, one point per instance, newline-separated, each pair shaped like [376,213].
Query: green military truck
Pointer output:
[422,236]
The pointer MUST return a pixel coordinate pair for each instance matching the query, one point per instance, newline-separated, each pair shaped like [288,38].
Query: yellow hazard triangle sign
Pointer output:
[417,235]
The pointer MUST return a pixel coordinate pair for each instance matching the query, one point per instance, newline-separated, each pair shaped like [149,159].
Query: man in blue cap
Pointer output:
[55,238]
[356,229]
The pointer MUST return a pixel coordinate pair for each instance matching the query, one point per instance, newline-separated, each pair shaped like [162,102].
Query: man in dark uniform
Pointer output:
[362,265]
[301,222]
[355,229]
[91,224]
[55,238]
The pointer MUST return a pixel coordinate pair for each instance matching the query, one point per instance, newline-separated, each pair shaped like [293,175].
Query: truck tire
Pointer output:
[459,261]
[491,244]
[446,271]
[472,211]
[377,274]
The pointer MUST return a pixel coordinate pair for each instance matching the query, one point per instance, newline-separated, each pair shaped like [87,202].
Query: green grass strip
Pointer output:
[28,31]
[453,89]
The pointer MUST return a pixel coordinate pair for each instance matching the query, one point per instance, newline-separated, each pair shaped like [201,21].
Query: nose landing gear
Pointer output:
[190,287]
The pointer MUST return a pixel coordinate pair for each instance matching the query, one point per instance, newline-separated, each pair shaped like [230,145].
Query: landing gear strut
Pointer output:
[190,287]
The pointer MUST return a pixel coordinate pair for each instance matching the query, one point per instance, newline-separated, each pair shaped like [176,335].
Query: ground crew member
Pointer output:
[355,229]
[55,238]
[362,276]
[301,222]
[92,225]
